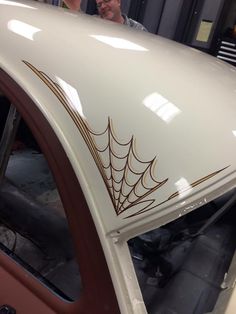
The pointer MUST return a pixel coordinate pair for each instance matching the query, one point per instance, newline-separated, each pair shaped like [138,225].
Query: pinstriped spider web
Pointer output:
[129,180]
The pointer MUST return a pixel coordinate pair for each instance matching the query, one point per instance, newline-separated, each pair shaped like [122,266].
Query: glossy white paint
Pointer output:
[177,103]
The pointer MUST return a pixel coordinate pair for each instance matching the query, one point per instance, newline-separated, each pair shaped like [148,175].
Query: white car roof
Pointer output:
[148,124]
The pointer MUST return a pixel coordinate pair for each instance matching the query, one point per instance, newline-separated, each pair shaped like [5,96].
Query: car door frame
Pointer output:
[98,295]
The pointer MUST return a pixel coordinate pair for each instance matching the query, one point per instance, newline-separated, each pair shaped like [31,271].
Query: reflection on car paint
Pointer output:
[126,186]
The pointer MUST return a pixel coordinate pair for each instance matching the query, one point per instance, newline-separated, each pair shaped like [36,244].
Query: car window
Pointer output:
[33,225]
[181,266]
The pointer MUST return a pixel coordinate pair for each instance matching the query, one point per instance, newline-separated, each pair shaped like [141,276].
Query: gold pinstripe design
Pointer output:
[121,201]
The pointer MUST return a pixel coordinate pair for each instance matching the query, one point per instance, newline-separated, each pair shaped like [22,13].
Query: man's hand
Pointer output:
[73,4]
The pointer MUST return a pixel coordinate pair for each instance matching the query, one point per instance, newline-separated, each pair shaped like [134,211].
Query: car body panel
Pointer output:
[164,114]
[137,87]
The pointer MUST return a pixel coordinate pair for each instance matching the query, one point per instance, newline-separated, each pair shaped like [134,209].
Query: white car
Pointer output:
[127,142]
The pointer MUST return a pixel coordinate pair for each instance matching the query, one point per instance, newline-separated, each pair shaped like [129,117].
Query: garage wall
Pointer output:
[153,14]
[170,18]
[210,12]
[125,5]
[231,18]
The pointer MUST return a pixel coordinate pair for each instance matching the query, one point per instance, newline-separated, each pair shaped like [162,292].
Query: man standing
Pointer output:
[109,10]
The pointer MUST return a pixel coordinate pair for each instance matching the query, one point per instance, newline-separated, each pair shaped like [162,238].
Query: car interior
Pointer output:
[33,224]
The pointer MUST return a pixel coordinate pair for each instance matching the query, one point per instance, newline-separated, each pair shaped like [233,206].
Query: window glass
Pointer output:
[33,225]
[181,266]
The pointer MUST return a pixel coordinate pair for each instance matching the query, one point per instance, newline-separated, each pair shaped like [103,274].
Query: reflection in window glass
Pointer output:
[33,225]
[181,266]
